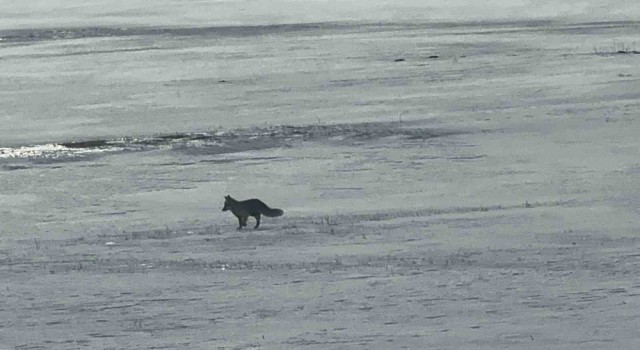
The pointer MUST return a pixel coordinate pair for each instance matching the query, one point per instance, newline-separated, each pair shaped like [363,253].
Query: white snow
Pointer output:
[518,228]
[56,13]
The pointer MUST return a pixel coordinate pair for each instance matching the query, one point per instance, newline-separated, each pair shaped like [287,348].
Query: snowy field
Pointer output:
[56,13]
[469,185]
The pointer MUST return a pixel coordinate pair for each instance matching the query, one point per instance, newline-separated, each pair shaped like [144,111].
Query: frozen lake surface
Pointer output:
[445,185]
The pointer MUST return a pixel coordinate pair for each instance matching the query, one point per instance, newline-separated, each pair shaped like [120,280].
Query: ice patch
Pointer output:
[50,151]
[231,141]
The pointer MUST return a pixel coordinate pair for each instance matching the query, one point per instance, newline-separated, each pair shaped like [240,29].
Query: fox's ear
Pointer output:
[227,196]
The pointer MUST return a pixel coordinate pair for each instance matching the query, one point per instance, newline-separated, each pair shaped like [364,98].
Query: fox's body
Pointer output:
[251,207]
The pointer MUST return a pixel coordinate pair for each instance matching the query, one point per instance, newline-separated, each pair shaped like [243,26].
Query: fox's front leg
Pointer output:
[239,222]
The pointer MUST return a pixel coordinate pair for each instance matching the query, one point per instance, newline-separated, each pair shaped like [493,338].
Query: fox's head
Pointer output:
[227,203]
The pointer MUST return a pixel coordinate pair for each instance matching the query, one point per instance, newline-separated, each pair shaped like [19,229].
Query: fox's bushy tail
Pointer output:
[272,212]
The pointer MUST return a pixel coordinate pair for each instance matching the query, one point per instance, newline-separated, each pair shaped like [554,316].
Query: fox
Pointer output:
[250,207]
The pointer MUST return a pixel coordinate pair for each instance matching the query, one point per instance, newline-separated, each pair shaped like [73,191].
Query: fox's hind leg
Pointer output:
[257,216]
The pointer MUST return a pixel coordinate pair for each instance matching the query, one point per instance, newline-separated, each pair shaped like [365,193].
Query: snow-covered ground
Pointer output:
[447,187]
[55,13]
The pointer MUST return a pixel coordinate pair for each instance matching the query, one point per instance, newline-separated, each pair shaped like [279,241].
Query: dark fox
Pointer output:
[251,207]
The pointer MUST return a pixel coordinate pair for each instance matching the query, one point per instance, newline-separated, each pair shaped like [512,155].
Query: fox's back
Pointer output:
[250,207]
